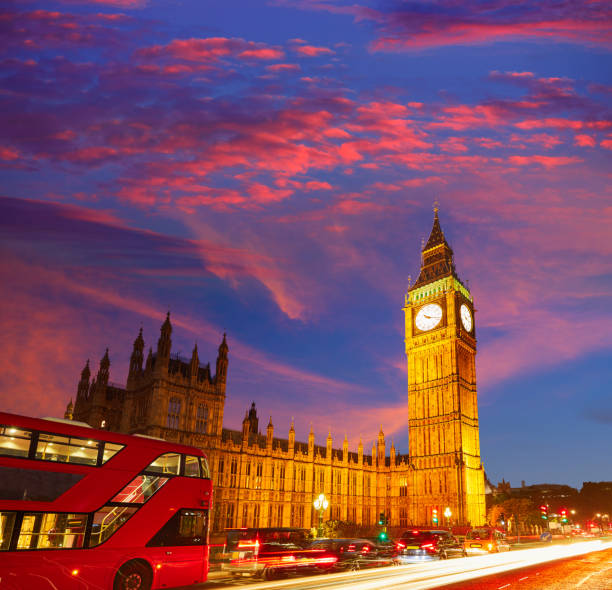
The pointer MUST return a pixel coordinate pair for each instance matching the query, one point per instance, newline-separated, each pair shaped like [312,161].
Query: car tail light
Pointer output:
[330,559]
[365,549]
[399,545]
[428,546]
[351,547]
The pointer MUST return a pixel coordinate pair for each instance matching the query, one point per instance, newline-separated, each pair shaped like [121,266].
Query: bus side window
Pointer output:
[7,522]
[107,520]
[186,527]
[168,463]
[52,530]
[205,468]
[55,447]
[192,466]
[14,441]
[110,450]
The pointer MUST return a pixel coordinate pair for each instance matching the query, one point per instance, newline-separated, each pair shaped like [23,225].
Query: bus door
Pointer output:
[181,548]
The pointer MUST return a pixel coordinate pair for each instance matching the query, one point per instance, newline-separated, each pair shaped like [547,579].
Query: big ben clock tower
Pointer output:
[443,433]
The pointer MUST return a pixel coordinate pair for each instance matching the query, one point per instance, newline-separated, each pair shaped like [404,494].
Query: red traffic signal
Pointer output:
[544,512]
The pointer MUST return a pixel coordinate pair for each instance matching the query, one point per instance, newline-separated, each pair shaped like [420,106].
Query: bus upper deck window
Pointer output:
[14,441]
[168,463]
[110,450]
[205,468]
[57,447]
[192,466]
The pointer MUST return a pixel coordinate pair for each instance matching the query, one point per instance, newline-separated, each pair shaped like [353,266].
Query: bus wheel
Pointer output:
[133,575]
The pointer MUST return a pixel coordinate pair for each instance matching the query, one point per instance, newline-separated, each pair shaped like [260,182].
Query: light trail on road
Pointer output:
[435,574]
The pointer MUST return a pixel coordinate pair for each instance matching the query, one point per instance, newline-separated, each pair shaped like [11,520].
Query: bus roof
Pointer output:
[70,428]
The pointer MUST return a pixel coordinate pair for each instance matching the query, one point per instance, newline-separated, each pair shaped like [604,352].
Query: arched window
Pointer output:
[174,412]
[201,425]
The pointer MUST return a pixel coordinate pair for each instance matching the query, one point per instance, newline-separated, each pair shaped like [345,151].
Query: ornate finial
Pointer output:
[436,206]
[422,242]
[409,281]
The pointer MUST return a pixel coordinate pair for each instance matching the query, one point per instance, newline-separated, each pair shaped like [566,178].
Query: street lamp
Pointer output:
[447,515]
[321,505]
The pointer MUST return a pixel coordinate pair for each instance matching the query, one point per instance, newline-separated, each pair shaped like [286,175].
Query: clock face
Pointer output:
[428,317]
[466,317]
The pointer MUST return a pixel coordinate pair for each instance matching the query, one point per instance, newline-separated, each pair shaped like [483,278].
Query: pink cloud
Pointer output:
[208,51]
[465,117]
[262,53]
[454,145]
[314,185]
[562,124]
[453,32]
[545,161]
[264,194]
[283,68]
[585,140]
[8,153]
[312,51]
[542,139]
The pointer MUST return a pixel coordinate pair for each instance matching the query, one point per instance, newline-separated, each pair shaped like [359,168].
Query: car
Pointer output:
[386,546]
[485,540]
[271,553]
[427,545]
[355,554]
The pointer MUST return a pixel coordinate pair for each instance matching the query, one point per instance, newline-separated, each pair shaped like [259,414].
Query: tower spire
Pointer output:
[436,255]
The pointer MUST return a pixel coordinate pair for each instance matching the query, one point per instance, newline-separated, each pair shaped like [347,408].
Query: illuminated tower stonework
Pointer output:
[444,446]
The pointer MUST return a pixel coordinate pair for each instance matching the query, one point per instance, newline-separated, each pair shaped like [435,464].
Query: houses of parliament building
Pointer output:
[262,479]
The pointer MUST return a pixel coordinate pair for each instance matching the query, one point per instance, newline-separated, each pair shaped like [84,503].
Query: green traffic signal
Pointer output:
[382,536]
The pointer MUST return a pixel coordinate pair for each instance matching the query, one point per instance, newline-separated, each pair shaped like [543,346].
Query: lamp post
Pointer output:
[321,505]
[447,515]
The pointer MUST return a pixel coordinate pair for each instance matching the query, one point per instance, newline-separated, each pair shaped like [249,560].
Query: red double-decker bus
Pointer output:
[88,509]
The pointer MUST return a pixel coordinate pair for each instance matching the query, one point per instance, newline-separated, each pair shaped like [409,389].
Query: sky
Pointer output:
[268,169]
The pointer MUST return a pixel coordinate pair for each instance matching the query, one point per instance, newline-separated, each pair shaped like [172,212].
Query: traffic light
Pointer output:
[382,536]
[502,518]
[563,512]
[381,519]
[434,516]
[544,512]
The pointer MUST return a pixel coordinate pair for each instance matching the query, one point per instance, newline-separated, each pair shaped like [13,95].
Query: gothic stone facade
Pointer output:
[262,480]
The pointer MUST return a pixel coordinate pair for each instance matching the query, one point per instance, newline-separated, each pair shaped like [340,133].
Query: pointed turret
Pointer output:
[345,449]
[83,387]
[381,447]
[103,371]
[329,446]
[291,437]
[69,410]
[149,363]
[221,375]
[311,440]
[253,419]
[392,452]
[360,451]
[437,256]
[246,426]
[164,344]
[136,359]
[269,434]
[194,366]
